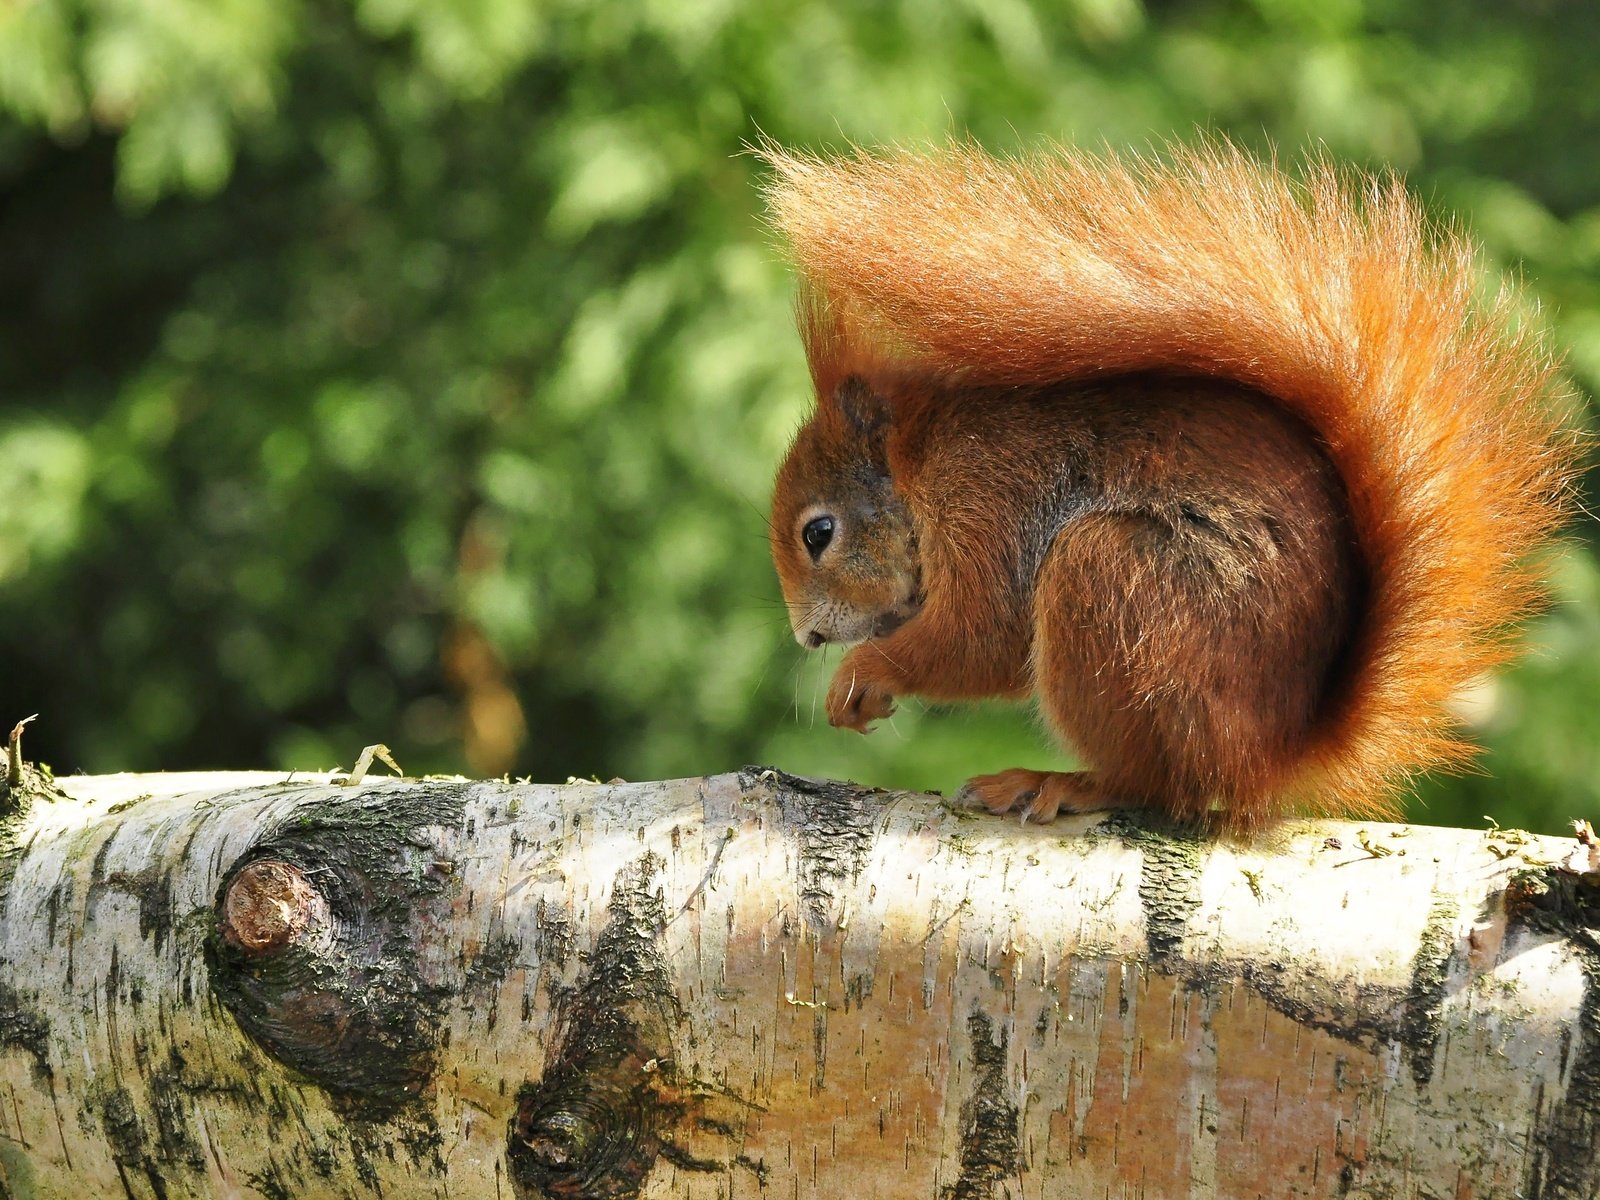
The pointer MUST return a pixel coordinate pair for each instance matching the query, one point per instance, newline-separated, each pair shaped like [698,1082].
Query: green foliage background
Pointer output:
[329,330]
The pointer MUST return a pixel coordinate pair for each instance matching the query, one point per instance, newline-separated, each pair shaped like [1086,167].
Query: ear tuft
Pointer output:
[866,415]
[865,410]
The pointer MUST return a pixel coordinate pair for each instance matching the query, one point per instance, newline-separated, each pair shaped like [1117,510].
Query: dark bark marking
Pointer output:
[1378,1015]
[1373,1018]
[151,887]
[97,869]
[857,990]
[1565,1164]
[990,1137]
[361,1158]
[423,1141]
[350,1007]
[1566,1161]
[154,889]
[1169,884]
[323,1159]
[23,1029]
[593,1126]
[269,1185]
[612,1102]
[481,978]
[170,1091]
[819,1047]
[52,909]
[10,855]
[1424,1002]
[555,935]
[130,1146]
[835,824]
[493,962]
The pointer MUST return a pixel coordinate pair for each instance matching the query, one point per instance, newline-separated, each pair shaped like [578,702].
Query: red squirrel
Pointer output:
[1239,475]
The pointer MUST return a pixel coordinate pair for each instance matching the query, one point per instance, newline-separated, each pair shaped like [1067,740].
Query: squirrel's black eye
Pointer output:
[816,535]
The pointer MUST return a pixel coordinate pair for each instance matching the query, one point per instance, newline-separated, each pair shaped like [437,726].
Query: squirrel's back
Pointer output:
[1436,405]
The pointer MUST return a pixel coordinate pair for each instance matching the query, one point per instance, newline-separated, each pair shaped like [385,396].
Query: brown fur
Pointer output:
[1235,473]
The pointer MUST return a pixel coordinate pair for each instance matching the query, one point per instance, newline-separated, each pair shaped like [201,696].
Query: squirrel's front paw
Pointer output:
[856,700]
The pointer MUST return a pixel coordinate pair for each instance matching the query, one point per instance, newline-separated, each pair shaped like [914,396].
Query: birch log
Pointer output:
[758,986]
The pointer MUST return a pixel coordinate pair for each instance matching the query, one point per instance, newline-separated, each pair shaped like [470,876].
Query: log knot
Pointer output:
[269,905]
[592,1130]
[316,946]
[613,1103]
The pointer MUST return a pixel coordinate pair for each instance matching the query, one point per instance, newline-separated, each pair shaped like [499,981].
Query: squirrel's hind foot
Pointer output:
[1038,795]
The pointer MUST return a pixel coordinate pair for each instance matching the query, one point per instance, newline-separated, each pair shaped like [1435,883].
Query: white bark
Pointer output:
[753,986]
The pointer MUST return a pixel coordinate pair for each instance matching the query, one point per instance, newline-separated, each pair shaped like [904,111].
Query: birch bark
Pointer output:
[753,985]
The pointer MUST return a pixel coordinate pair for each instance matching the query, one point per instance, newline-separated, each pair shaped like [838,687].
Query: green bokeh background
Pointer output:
[414,370]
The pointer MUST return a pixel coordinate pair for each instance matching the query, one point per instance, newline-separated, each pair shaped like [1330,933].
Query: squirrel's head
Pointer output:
[842,540]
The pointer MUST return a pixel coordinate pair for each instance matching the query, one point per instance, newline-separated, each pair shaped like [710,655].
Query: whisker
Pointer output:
[766,667]
[766,517]
[757,620]
[879,648]
[816,687]
[794,674]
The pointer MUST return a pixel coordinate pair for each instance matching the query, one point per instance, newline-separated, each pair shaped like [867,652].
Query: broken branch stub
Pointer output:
[755,985]
[269,905]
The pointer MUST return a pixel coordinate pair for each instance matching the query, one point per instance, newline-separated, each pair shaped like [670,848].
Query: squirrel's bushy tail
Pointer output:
[1436,402]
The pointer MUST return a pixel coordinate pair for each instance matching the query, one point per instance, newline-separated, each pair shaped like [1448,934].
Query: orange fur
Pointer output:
[954,274]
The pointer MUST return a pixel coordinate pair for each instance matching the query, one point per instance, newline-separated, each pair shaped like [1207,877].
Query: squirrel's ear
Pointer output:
[866,412]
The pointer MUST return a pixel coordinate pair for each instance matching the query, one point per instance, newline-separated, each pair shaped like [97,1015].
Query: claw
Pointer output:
[1038,797]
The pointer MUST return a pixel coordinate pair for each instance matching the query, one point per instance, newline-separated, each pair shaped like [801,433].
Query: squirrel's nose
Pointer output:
[813,640]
